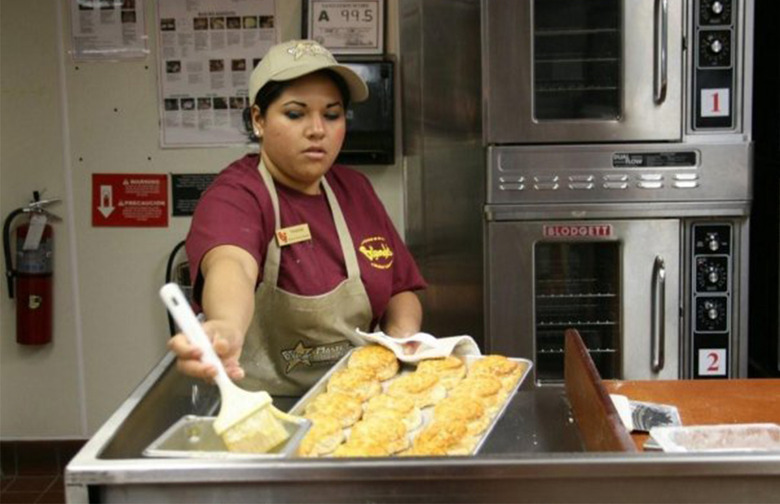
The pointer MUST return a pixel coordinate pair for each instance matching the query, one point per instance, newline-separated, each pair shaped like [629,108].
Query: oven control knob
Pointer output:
[711,310]
[713,276]
[716,46]
[712,243]
[716,8]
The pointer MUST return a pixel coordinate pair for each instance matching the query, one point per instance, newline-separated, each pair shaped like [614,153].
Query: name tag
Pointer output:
[293,234]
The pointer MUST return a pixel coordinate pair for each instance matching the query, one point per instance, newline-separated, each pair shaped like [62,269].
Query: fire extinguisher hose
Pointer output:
[169,279]
[10,273]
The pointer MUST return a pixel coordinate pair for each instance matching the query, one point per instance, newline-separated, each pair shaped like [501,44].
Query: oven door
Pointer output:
[616,281]
[582,71]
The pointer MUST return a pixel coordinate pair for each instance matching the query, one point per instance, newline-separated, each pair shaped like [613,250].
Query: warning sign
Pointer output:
[129,200]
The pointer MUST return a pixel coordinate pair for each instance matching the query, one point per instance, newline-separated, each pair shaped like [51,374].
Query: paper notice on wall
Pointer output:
[206,51]
[108,29]
[186,190]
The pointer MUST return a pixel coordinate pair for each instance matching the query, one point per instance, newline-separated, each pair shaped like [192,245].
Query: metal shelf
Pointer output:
[575,323]
[570,89]
[590,350]
[614,59]
[577,295]
[572,31]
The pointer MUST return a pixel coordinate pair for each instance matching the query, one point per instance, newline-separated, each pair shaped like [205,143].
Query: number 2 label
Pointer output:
[715,102]
[712,362]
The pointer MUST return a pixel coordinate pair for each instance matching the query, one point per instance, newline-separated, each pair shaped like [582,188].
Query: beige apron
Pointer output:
[293,340]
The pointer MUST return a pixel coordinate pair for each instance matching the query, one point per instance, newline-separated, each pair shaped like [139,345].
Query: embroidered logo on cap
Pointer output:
[377,251]
[308,48]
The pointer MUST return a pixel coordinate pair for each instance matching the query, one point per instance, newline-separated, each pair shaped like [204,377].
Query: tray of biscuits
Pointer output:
[372,405]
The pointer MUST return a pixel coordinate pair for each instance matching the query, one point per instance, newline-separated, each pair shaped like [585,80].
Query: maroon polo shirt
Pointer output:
[236,210]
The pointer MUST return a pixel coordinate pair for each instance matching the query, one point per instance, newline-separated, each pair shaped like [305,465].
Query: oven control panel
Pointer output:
[712,281]
[715,12]
[714,64]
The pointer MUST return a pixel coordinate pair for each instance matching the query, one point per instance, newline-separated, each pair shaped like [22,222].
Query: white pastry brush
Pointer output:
[247,421]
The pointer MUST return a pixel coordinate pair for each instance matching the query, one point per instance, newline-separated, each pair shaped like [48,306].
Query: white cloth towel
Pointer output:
[430,347]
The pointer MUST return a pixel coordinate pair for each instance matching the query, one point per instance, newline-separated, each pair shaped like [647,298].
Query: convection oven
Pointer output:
[619,171]
[612,70]
[652,297]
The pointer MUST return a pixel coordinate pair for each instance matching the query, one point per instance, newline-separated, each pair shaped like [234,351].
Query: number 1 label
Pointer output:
[712,362]
[715,102]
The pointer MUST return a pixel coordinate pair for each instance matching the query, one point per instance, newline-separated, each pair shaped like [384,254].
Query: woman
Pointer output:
[289,252]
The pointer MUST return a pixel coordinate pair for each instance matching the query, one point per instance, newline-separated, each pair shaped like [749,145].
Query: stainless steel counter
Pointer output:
[534,455]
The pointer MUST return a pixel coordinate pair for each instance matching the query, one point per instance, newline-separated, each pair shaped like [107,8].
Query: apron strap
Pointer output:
[347,246]
[273,255]
[274,252]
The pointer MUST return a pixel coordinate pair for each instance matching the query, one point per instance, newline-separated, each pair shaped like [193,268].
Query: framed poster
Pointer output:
[107,30]
[346,27]
[206,50]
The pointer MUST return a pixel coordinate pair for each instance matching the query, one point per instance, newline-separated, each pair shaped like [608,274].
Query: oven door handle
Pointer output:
[657,319]
[660,50]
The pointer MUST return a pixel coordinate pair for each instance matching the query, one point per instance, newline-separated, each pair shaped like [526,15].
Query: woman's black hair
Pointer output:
[273,89]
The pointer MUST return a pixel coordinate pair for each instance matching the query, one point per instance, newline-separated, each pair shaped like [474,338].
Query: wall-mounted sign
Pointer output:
[129,200]
[108,29]
[206,50]
[347,27]
[186,190]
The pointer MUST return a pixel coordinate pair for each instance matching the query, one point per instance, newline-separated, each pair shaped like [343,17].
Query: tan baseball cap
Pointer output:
[296,58]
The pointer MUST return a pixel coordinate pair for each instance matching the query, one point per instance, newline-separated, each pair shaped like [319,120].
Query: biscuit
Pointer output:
[499,366]
[345,408]
[360,383]
[384,431]
[324,436]
[424,389]
[426,450]
[403,406]
[450,370]
[376,358]
[448,436]
[463,408]
[361,449]
[487,389]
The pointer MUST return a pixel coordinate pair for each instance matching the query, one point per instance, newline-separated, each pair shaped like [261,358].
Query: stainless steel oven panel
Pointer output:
[615,173]
[742,21]
[510,301]
[645,243]
[508,77]
[736,339]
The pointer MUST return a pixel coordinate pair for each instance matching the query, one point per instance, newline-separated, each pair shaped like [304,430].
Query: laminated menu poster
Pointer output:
[206,51]
[108,29]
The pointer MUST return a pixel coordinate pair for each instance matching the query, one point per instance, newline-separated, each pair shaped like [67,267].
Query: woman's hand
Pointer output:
[402,318]
[228,301]
[227,341]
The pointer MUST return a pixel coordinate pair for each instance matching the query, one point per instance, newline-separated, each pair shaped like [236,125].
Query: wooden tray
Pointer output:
[596,416]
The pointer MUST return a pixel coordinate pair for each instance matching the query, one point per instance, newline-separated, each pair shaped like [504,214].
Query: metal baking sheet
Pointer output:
[194,437]
[427,412]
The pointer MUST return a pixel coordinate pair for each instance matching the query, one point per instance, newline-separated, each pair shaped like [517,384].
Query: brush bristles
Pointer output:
[258,433]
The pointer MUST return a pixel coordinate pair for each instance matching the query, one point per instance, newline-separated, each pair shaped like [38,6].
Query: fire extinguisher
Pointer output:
[33,272]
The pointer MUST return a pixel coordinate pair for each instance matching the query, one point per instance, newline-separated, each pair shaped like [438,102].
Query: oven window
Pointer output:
[577,285]
[577,59]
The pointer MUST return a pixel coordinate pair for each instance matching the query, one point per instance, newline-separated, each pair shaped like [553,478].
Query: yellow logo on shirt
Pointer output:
[377,251]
